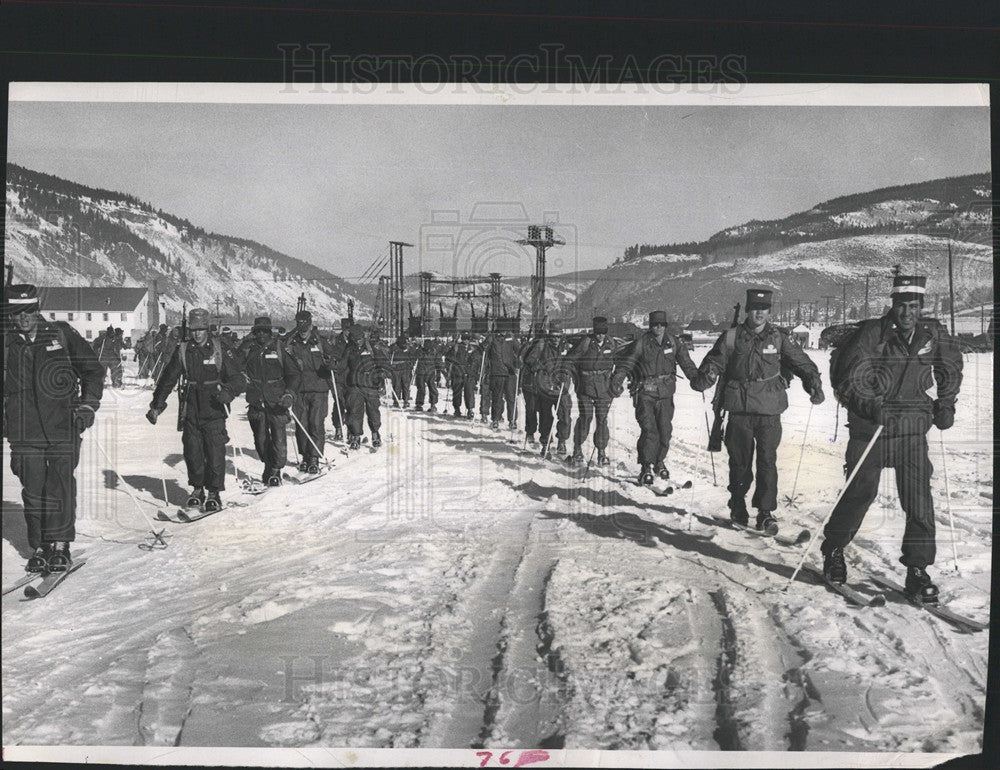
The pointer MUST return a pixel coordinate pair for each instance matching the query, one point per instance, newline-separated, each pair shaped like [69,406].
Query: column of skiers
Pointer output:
[881,375]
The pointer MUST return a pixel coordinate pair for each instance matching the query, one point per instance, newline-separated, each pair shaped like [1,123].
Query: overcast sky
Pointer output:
[333,184]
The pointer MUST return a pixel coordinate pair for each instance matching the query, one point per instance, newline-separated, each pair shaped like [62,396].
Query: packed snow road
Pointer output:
[451,590]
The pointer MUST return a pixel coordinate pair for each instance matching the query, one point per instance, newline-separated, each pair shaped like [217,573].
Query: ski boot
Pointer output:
[304,466]
[919,586]
[39,560]
[531,440]
[212,502]
[602,458]
[739,515]
[196,498]
[458,413]
[432,409]
[376,439]
[418,407]
[577,457]
[470,415]
[544,451]
[646,475]
[274,480]
[485,419]
[338,435]
[512,425]
[766,523]
[561,447]
[313,468]
[661,470]
[59,558]
[495,425]
[834,568]
[353,442]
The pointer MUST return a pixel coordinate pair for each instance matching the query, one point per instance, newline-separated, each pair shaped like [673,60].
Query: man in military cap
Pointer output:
[463,372]
[652,362]
[401,359]
[339,347]
[593,360]
[273,380]
[367,369]
[750,358]
[314,356]
[550,377]
[881,375]
[213,380]
[53,384]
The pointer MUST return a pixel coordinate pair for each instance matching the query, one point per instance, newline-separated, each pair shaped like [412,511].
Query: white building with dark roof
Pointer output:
[92,309]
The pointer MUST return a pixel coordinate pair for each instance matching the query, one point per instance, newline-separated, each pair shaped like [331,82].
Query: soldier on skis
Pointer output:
[273,380]
[652,362]
[430,367]
[313,354]
[367,368]
[503,364]
[213,380]
[750,359]
[53,384]
[550,378]
[463,371]
[881,375]
[593,360]
[339,347]
[108,346]
[401,359]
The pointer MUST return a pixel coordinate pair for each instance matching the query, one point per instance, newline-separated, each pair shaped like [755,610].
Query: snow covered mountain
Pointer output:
[810,255]
[61,233]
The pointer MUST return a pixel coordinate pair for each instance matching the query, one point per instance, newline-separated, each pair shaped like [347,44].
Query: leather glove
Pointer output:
[224,397]
[286,401]
[617,387]
[153,413]
[816,396]
[944,415]
[83,417]
[875,411]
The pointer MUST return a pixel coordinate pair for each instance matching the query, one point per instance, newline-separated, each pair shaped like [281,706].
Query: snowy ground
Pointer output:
[450,592]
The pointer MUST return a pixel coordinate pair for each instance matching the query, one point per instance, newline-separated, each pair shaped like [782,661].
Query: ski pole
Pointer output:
[587,469]
[708,429]
[548,438]
[517,385]
[850,478]
[336,399]
[801,453]
[836,425]
[158,540]
[322,457]
[947,500]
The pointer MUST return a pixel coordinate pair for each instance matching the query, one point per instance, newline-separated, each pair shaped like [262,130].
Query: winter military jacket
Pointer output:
[367,365]
[501,357]
[877,370]
[270,373]
[339,348]
[549,368]
[751,365]
[313,355]
[430,362]
[463,361]
[593,363]
[45,381]
[653,365]
[210,369]
[401,357]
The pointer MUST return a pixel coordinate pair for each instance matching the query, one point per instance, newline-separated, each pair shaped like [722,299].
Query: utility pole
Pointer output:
[826,318]
[394,298]
[218,318]
[951,290]
[844,287]
[798,313]
[539,236]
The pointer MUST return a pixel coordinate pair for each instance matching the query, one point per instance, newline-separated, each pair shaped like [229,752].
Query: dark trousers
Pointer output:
[339,399]
[463,387]
[546,407]
[427,382]
[744,432]
[310,407]
[655,417]
[48,489]
[362,402]
[401,387]
[205,453]
[503,387]
[907,455]
[530,412]
[591,406]
[270,436]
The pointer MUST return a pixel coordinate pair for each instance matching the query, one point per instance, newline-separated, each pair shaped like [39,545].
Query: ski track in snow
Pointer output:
[449,590]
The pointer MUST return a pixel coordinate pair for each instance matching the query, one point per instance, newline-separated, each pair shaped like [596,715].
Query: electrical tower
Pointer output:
[539,236]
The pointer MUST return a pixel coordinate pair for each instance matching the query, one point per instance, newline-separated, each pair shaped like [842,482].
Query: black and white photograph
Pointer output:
[515,427]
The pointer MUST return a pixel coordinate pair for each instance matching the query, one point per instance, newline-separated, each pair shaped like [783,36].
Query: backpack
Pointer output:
[216,355]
